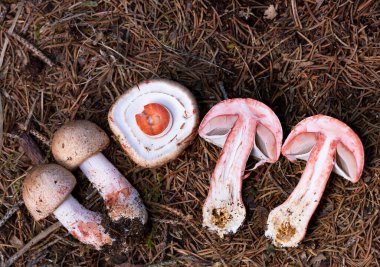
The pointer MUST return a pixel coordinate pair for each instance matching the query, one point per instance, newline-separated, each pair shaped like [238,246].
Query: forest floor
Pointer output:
[311,57]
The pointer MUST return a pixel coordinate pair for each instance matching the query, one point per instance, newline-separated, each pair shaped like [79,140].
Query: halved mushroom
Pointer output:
[243,127]
[328,145]
[154,121]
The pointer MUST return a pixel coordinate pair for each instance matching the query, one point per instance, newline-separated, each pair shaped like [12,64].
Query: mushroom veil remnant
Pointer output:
[47,190]
[154,121]
[79,143]
[242,127]
[327,145]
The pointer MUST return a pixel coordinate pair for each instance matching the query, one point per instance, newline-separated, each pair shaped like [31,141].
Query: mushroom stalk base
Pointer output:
[224,211]
[83,224]
[121,198]
[288,222]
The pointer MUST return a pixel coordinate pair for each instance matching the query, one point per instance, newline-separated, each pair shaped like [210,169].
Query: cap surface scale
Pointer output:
[45,188]
[76,141]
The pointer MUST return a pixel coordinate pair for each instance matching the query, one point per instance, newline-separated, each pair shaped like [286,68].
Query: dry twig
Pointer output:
[38,53]
[10,212]
[45,233]
[20,7]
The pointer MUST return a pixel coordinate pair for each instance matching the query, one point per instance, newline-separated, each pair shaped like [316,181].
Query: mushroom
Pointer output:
[79,143]
[47,190]
[154,121]
[243,127]
[327,144]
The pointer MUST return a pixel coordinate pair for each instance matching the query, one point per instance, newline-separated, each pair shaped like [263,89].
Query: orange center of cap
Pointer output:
[154,119]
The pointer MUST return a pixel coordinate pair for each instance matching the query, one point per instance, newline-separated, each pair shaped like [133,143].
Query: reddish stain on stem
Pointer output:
[116,202]
[90,230]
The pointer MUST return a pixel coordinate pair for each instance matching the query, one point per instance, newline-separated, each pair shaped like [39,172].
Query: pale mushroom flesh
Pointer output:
[243,127]
[327,145]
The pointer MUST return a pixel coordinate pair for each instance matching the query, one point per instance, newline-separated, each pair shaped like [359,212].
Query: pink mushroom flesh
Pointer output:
[328,145]
[243,127]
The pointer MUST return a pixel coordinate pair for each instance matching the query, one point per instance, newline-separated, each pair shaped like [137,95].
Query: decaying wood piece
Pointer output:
[30,148]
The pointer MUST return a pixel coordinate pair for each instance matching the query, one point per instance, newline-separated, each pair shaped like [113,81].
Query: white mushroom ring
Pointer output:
[154,150]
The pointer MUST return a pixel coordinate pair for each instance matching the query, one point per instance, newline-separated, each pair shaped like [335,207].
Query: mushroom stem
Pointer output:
[83,224]
[288,222]
[121,198]
[224,210]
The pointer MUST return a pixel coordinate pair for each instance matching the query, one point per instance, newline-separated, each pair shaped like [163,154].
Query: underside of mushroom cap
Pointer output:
[328,145]
[45,188]
[76,141]
[145,150]
[349,158]
[217,124]
[243,127]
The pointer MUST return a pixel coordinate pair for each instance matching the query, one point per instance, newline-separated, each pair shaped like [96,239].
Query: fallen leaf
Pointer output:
[90,4]
[352,240]
[319,3]
[303,258]
[270,13]
[16,242]
[245,13]
[315,261]
[306,64]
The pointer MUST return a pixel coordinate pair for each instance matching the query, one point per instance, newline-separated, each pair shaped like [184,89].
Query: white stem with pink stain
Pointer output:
[121,198]
[328,145]
[83,224]
[242,127]
[224,211]
[288,222]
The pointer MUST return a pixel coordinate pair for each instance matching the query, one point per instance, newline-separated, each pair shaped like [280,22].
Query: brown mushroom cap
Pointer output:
[76,141]
[45,188]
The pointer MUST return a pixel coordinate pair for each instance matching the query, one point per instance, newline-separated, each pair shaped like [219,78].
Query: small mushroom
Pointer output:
[243,127]
[79,143]
[154,121]
[327,144]
[47,190]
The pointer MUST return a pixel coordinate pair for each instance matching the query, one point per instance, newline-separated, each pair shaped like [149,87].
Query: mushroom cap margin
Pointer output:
[76,141]
[334,129]
[45,187]
[181,146]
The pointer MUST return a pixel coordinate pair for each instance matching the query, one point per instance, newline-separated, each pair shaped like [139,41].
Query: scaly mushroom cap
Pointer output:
[76,141]
[45,188]
[139,116]
[349,158]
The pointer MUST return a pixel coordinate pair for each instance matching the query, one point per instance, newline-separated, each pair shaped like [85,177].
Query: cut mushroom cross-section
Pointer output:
[328,145]
[154,121]
[79,143]
[47,190]
[243,127]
